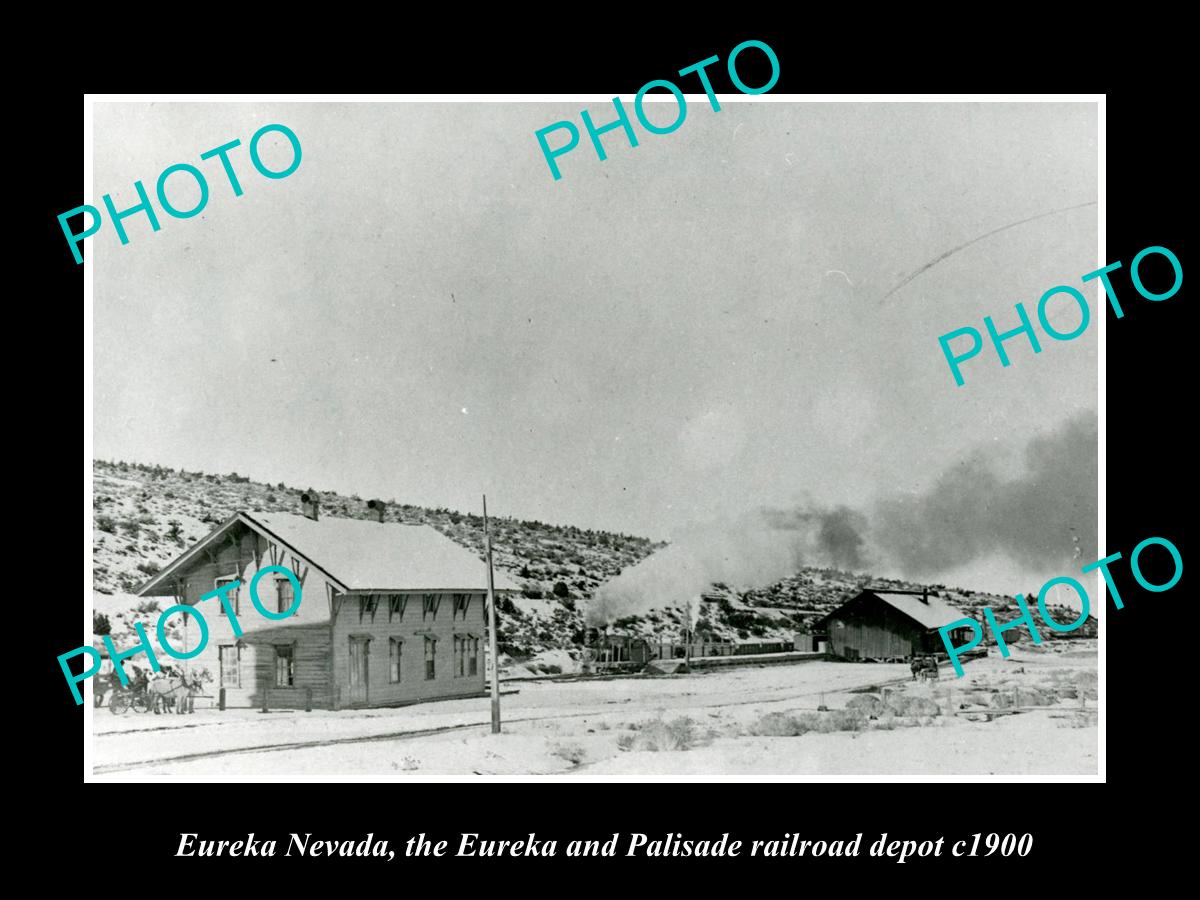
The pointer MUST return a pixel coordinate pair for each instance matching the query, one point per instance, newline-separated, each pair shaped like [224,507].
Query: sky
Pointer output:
[690,329]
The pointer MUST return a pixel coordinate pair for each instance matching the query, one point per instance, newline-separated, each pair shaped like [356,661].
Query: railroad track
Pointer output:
[415,734]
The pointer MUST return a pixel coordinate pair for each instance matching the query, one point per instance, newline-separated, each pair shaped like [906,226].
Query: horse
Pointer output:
[171,693]
[924,668]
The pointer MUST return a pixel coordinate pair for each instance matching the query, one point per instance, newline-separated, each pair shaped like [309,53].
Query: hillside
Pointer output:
[144,516]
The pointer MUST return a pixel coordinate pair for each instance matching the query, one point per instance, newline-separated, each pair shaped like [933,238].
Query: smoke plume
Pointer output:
[757,549]
[972,512]
[1028,522]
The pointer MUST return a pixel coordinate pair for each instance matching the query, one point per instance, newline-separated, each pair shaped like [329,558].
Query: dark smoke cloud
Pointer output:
[972,512]
[839,533]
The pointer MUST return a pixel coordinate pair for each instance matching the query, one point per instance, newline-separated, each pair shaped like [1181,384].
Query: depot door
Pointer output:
[359,684]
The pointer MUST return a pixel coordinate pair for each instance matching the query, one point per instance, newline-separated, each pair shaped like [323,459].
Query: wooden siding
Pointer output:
[871,629]
[411,629]
[307,631]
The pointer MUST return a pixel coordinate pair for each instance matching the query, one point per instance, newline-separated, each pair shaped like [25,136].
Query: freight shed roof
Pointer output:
[932,614]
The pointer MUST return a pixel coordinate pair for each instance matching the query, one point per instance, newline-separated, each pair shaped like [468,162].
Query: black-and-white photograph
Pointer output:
[787,439]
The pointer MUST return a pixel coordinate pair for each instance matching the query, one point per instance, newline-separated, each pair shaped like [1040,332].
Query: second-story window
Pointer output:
[462,603]
[396,606]
[284,595]
[430,606]
[231,596]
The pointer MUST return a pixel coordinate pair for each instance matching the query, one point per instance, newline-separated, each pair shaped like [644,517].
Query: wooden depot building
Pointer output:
[389,613]
[890,625]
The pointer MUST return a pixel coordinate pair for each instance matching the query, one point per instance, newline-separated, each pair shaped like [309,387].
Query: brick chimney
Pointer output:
[376,510]
[925,596]
[310,504]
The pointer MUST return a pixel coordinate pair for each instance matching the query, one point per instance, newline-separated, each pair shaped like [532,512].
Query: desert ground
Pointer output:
[1032,714]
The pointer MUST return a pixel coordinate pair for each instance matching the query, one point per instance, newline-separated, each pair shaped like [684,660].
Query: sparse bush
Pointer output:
[783,725]
[106,523]
[572,753]
[150,568]
[846,720]
[777,725]
[100,624]
[561,590]
[1029,696]
[869,704]
[902,705]
[657,735]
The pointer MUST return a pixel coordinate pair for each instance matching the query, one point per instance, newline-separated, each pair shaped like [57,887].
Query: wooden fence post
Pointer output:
[308,699]
[221,700]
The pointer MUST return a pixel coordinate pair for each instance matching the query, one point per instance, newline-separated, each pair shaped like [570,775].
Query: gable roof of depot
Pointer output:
[360,555]
[933,614]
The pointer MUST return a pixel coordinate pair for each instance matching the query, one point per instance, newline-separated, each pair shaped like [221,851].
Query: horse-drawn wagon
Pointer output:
[167,691]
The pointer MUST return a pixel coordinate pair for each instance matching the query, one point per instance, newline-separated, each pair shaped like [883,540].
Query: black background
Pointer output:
[1074,825]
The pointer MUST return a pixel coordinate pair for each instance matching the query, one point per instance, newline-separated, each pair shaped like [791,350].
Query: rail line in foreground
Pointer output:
[417,733]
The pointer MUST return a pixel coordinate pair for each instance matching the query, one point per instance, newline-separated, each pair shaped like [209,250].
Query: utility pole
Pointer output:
[491,604]
[687,635]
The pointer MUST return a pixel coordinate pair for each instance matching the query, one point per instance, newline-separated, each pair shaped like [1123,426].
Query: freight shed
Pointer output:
[890,625]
